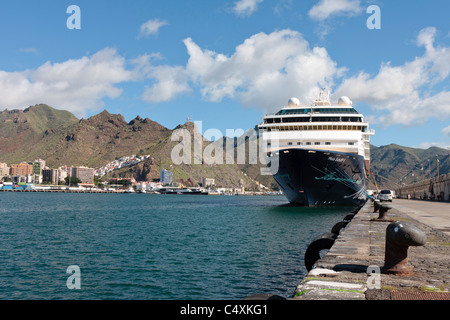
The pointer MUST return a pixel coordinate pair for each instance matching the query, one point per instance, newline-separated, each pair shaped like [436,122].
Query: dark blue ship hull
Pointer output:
[316,177]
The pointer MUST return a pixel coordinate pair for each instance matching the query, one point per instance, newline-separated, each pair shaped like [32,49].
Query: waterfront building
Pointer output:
[86,175]
[21,178]
[4,169]
[165,177]
[51,175]
[21,169]
[37,168]
[63,173]
[42,162]
[208,182]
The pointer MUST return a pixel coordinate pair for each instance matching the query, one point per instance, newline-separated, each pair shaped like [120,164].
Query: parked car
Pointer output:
[385,195]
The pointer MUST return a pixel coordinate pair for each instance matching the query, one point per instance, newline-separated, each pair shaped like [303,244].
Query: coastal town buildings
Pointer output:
[4,169]
[86,175]
[21,169]
[208,182]
[165,177]
[51,176]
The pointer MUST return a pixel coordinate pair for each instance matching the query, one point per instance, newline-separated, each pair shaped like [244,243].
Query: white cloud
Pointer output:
[426,145]
[246,7]
[406,92]
[264,71]
[151,27]
[326,8]
[28,50]
[170,82]
[74,85]
[446,132]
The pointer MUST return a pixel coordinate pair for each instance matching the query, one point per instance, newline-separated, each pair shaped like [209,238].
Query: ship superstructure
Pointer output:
[319,153]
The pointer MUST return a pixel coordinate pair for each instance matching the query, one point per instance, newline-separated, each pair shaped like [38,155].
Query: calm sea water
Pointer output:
[154,247]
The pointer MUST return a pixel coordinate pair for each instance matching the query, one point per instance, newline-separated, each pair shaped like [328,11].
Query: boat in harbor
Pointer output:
[183,191]
[319,153]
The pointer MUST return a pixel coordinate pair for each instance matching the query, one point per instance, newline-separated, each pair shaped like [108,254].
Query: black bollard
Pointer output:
[399,237]
[376,205]
[383,212]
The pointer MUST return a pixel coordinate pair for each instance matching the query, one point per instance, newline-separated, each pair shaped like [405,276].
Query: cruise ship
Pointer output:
[319,153]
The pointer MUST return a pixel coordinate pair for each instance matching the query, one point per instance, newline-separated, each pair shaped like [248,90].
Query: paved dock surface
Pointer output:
[349,270]
[434,214]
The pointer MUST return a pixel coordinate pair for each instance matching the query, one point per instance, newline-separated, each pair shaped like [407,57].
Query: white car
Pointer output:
[385,195]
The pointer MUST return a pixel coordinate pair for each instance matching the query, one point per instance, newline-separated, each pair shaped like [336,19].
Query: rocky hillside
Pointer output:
[391,163]
[61,139]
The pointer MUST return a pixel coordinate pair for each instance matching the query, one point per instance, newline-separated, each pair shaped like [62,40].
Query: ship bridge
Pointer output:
[322,126]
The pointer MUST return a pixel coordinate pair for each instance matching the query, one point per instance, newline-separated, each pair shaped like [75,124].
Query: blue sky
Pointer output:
[227,63]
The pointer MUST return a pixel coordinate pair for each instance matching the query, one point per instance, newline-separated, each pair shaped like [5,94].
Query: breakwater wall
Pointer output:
[437,188]
[355,266]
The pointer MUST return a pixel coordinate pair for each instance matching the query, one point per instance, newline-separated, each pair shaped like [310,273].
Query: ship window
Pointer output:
[308,143]
[317,143]
[299,143]
[269,144]
[351,143]
[289,143]
[327,143]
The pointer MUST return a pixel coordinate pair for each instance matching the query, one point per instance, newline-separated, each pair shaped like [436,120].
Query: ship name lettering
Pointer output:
[336,159]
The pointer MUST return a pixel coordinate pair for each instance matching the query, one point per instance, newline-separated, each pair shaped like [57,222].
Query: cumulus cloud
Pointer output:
[406,92]
[446,132]
[246,7]
[75,85]
[426,145]
[327,8]
[263,71]
[170,82]
[151,27]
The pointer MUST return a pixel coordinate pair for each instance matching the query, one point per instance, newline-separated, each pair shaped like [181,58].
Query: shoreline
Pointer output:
[136,192]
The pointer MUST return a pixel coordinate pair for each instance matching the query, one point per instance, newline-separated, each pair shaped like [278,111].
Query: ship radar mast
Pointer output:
[324,98]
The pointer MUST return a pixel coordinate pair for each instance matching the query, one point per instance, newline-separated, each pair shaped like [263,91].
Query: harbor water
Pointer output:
[155,247]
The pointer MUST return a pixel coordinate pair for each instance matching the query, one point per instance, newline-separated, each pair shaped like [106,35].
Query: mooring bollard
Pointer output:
[399,237]
[376,205]
[383,212]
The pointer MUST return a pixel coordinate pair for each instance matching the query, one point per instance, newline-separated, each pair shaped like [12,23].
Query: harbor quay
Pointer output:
[356,266]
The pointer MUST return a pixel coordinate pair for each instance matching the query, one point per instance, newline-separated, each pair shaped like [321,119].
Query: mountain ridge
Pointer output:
[58,137]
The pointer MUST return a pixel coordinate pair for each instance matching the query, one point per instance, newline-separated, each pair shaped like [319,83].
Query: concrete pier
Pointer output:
[352,268]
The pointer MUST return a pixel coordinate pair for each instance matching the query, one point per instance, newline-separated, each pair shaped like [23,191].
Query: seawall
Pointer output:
[353,268]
